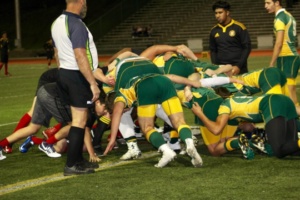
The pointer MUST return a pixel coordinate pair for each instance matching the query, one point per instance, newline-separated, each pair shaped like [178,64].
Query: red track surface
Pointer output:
[106,57]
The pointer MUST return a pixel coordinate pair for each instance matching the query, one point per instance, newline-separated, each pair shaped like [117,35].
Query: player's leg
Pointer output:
[281,136]
[126,128]
[146,116]
[174,110]
[20,134]
[169,133]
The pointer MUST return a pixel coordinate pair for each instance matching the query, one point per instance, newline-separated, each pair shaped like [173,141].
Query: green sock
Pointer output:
[231,144]
[156,139]
[185,133]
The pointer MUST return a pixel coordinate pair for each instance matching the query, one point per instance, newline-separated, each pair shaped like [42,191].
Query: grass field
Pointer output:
[33,175]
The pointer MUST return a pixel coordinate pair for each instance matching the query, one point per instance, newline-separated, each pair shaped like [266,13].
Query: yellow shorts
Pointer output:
[170,106]
[209,138]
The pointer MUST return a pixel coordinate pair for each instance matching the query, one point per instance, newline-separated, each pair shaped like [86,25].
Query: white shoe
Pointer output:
[196,141]
[2,157]
[133,151]
[183,151]
[192,152]
[49,150]
[168,156]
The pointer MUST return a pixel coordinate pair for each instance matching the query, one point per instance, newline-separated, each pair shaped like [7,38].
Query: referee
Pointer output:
[77,58]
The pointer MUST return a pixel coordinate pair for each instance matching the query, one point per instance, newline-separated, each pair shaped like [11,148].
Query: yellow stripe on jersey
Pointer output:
[105,120]
[159,61]
[240,24]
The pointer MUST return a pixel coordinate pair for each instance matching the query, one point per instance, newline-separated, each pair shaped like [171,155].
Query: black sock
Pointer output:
[98,132]
[74,154]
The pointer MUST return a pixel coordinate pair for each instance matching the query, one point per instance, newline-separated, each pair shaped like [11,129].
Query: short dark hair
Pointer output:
[280,2]
[221,4]
[102,97]
[109,101]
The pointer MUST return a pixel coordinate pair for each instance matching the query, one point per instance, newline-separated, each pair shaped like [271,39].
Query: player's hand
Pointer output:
[235,70]
[188,94]
[210,72]
[196,84]
[196,108]
[94,158]
[109,146]
[235,80]
[111,80]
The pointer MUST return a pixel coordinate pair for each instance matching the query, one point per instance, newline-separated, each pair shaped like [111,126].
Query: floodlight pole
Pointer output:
[18,25]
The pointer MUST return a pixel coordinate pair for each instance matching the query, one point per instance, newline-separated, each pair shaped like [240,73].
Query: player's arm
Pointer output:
[121,56]
[99,75]
[116,55]
[155,50]
[215,127]
[182,80]
[220,70]
[277,47]
[116,119]
[89,146]
[187,52]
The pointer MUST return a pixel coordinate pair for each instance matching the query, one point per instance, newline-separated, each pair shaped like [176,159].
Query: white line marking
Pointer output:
[59,176]
[8,124]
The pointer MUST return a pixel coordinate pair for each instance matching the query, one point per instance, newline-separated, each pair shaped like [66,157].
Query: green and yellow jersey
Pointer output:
[258,109]
[284,21]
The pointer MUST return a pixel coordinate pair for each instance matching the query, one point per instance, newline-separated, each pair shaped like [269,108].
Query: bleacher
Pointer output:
[175,22]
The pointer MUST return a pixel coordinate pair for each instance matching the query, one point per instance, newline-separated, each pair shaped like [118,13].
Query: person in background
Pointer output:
[48,46]
[4,45]
[229,40]
[285,52]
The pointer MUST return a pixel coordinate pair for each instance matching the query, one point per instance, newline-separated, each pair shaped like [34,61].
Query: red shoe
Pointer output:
[50,132]
[7,149]
[8,74]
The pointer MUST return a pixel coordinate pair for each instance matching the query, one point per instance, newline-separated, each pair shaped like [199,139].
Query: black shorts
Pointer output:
[74,89]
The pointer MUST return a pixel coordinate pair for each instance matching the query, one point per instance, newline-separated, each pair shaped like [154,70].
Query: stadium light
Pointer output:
[18,43]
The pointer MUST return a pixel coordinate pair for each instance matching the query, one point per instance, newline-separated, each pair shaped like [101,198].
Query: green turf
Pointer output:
[226,177]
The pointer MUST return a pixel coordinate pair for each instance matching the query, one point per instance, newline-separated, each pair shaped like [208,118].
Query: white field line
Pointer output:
[7,124]
[59,176]
[16,96]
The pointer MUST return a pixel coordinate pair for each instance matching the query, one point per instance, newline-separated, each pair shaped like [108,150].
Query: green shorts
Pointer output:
[275,105]
[154,90]
[129,70]
[289,65]
[270,77]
